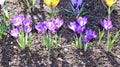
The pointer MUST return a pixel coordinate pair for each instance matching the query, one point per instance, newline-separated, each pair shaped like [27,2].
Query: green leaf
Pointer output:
[48,41]
[111,10]
[115,37]
[68,11]
[86,46]
[109,41]
[80,42]
[30,40]
[101,34]
[109,38]
[81,10]
[22,40]
[72,8]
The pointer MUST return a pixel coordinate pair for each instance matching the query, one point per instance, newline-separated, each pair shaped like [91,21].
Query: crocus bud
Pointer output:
[52,3]
[110,2]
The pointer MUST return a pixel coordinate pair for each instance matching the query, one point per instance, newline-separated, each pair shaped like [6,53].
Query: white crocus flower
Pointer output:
[2,2]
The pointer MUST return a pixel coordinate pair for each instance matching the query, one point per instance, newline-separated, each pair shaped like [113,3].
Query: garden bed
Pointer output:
[66,55]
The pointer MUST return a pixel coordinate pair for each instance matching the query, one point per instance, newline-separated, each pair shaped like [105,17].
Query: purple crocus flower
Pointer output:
[80,29]
[76,4]
[51,26]
[73,26]
[41,27]
[79,25]
[27,29]
[14,32]
[17,20]
[26,21]
[107,24]
[89,34]
[58,23]
[82,21]
[55,24]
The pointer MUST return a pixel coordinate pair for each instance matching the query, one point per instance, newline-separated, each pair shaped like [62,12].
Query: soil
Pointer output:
[66,55]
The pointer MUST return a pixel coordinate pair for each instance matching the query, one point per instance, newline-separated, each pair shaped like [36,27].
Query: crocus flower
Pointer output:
[27,29]
[107,24]
[52,3]
[110,2]
[58,23]
[79,25]
[51,26]
[73,26]
[80,29]
[41,27]
[55,24]
[76,4]
[2,2]
[26,21]
[82,21]
[89,34]
[14,32]
[17,19]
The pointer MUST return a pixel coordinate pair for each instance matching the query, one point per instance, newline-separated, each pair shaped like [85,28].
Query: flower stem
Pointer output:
[52,12]
[109,13]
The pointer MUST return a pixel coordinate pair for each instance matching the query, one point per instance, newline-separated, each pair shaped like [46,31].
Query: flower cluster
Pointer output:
[21,30]
[79,25]
[17,22]
[52,26]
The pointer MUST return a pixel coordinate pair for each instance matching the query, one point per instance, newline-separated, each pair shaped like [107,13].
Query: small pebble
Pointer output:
[66,49]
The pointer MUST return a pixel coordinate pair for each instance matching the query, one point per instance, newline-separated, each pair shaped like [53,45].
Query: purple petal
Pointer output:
[17,19]
[26,21]
[27,29]
[14,32]
[41,27]
[58,23]
[73,26]
[80,29]
[85,39]
[79,3]
[51,26]
[74,2]
[89,34]
[107,24]
[82,21]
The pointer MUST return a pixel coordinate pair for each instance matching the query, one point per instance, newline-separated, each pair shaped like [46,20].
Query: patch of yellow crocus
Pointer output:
[52,3]
[110,2]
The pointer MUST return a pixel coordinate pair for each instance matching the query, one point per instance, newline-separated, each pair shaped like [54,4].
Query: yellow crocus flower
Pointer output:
[52,3]
[110,2]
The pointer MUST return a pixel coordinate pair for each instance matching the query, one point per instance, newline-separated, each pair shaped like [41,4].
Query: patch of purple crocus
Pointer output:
[19,22]
[79,26]
[76,4]
[52,25]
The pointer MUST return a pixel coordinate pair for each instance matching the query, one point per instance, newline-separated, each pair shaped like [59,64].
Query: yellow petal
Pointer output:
[55,3]
[110,2]
[48,2]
